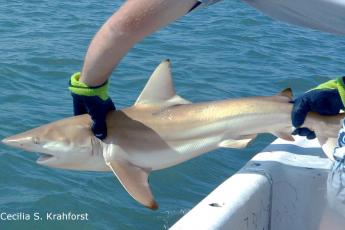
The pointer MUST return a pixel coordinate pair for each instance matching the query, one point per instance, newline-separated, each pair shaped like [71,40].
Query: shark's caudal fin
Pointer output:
[160,88]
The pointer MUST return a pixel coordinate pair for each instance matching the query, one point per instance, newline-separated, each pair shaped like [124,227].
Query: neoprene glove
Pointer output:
[92,100]
[326,99]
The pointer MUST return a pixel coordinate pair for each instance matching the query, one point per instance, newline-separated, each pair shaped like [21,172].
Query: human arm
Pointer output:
[131,23]
[128,25]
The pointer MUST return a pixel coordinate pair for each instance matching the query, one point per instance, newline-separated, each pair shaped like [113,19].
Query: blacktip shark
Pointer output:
[162,130]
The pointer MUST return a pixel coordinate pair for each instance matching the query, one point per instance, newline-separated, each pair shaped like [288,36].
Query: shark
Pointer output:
[162,130]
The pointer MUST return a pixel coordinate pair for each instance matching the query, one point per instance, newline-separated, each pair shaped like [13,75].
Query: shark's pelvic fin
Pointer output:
[160,88]
[135,180]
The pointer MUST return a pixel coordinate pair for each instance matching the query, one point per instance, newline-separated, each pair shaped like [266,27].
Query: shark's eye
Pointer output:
[36,140]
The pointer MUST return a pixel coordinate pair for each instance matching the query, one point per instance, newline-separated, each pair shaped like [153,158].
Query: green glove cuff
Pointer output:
[79,88]
[334,84]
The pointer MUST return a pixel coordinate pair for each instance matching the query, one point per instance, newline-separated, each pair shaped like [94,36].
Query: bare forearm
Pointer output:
[131,23]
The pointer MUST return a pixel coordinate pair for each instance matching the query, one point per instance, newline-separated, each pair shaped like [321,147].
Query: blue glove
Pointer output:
[94,101]
[326,99]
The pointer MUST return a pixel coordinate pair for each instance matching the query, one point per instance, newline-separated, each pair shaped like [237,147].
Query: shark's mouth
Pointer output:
[44,157]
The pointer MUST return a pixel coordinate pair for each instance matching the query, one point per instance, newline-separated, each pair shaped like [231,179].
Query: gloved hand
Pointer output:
[92,100]
[326,99]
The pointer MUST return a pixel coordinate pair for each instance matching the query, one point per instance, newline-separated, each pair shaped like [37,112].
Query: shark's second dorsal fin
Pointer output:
[160,88]
[286,93]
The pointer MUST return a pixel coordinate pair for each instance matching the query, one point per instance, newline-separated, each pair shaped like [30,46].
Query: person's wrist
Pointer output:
[81,89]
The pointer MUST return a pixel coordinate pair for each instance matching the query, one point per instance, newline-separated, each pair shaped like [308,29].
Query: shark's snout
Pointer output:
[21,141]
[28,143]
[4,141]
[14,141]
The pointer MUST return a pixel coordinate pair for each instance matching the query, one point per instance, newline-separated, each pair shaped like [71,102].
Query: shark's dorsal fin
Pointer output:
[135,180]
[160,88]
[286,93]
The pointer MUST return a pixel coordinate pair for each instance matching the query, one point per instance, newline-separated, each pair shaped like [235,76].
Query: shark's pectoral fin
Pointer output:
[237,144]
[135,180]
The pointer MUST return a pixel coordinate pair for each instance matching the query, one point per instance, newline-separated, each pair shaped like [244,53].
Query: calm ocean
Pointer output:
[228,50]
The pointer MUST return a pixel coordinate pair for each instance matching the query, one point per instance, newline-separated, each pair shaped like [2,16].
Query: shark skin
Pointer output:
[162,130]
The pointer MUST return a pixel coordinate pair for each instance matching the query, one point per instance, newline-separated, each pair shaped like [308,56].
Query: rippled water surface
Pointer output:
[228,50]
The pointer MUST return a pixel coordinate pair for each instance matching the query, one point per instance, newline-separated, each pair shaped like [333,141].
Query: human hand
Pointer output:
[94,101]
[326,99]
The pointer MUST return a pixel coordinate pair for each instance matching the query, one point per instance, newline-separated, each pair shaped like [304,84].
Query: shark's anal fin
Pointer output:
[237,144]
[135,180]
[284,135]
